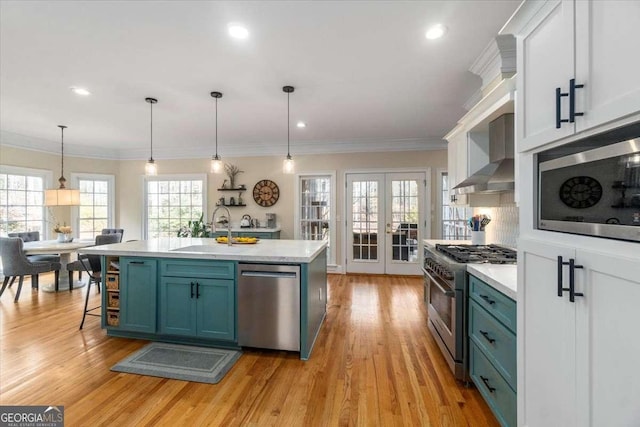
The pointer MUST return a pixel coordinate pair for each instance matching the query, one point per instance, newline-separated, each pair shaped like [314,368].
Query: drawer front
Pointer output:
[495,390]
[495,302]
[197,268]
[497,342]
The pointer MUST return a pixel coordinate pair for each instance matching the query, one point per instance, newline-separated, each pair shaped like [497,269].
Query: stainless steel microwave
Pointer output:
[592,186]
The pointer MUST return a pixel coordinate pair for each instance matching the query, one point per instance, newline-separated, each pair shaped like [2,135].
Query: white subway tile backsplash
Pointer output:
[503,228]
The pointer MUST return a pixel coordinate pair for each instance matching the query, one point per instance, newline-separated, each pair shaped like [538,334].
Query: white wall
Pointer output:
[129,180]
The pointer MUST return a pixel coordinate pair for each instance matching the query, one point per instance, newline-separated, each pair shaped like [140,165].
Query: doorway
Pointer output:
[386,219]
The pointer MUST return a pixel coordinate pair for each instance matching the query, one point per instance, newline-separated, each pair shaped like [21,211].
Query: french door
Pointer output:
[385,222]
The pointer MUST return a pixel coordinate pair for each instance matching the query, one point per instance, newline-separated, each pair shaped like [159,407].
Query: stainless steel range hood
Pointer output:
[498,174]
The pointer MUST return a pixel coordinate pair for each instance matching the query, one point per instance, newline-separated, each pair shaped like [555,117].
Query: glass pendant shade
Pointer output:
[62,196]
[151,169]
[288,166]
[216,165]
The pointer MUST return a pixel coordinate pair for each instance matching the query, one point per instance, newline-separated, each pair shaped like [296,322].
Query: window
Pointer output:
[96,210]
[172,201]
[316,210]
[22,200]
[454,219]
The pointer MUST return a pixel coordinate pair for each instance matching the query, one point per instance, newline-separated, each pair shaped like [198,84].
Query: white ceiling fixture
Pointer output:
[238,31]
[436,31]
[301,124]
[80,91]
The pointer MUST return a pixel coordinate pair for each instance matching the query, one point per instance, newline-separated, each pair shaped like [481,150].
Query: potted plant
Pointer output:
[196,228]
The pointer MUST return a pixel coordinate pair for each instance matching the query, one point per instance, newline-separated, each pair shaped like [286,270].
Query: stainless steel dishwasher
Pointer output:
[269,306]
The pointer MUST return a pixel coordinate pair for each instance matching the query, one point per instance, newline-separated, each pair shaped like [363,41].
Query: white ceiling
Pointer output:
[366,77]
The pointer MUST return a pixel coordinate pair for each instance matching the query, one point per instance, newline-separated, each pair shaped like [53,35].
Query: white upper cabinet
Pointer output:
[576,68]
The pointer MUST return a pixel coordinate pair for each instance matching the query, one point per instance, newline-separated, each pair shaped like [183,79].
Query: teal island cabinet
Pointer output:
[492,345]
[185,290]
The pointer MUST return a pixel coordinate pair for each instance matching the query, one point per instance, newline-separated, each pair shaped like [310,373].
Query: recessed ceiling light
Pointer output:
[238,31]
[80,91]
[436,32]
[301,124]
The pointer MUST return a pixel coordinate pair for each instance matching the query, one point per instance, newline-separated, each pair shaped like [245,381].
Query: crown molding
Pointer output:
[498,59]
[16,140]
[10,139]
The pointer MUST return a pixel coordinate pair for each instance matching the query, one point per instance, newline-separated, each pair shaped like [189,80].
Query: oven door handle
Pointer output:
[448,293]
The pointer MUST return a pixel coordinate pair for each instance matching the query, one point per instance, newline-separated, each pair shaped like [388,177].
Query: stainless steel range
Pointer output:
[445,294]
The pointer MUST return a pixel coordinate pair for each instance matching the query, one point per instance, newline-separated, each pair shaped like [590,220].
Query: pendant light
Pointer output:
[150,168]
[62,196]
[288,165]
[216,162]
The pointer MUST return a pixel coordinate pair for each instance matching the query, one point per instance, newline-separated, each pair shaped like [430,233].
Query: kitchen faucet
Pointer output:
[213,222]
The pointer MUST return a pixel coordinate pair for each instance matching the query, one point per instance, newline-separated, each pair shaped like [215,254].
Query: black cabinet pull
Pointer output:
[561,265]
[486,336]
[572,100]
[559,120]
[487,299]
[191,289]
[136,262]
[197,290]
[486,382]
[572,280]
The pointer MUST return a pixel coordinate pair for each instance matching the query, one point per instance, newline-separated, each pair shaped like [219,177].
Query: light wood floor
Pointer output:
[374,364]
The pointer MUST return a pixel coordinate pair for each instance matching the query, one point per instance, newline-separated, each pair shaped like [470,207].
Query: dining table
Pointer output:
[64,249]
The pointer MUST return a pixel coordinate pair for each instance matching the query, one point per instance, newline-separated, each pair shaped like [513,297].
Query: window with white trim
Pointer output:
[172,201]
[315,210]
[22,200]
[96,210]
[454,218]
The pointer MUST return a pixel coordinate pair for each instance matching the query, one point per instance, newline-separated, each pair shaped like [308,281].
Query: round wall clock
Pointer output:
[580,192]
[266,193]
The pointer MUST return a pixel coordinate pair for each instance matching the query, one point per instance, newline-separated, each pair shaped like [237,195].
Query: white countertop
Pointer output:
[266,250]
[502,277]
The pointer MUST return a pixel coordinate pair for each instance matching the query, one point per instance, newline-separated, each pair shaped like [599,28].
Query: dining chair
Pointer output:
[16,264]
[77,266]
[34,236]
[92,266]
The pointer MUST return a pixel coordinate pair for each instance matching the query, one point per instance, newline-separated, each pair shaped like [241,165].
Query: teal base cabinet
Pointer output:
[492,348]
[138,287]
[197,307]
[197,299]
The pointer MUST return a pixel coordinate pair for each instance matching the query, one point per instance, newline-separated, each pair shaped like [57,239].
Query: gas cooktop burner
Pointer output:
[493,254]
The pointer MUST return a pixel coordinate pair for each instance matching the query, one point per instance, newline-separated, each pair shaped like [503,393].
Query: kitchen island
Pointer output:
[185,290]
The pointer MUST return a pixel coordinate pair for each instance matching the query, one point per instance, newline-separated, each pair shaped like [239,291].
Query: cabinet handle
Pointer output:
[486,382]
[191,289]
[572,281]
[197,290]
[487,299]
[559,120]
[486,336]
[561,265]
[572,100]
[136,262]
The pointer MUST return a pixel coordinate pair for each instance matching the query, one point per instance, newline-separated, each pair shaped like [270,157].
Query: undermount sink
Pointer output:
[206,248]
